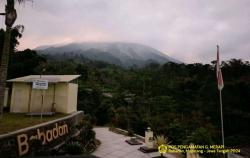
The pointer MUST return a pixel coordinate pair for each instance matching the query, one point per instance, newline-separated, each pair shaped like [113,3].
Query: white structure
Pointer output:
[6,94]
[61,95]
[149,138]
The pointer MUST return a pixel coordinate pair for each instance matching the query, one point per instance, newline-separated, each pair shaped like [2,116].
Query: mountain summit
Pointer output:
[118,53]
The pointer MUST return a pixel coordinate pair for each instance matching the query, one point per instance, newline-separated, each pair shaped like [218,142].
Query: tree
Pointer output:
[10,18]
[23,63]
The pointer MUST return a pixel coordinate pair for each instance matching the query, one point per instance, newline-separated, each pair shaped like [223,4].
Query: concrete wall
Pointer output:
[6,94]
[72,98]
[48,98]
[19,143]
[61,98]
[20,98]
[25,99]
[36,99]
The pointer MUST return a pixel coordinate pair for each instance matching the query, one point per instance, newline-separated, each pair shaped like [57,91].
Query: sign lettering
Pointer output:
[40,84]
[45,136]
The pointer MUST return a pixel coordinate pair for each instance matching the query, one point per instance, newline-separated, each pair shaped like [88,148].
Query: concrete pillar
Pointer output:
[149,138]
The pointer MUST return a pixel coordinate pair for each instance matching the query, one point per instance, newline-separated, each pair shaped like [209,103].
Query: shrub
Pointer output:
[74,148]
[200,136]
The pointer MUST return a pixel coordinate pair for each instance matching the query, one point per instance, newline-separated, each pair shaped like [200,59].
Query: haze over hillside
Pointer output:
[119,53]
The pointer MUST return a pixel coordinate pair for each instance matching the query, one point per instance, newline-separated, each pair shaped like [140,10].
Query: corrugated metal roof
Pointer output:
[50,78]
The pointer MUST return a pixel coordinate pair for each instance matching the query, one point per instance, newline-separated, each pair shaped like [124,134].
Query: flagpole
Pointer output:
[220,87]
[222,126]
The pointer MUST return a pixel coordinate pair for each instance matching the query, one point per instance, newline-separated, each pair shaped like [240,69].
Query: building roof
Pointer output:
[50,78]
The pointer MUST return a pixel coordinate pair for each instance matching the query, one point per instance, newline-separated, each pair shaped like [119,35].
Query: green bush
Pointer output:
[200,136]
[74,148]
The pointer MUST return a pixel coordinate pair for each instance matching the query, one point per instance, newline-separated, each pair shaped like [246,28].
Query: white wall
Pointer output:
[36,99]
[65,98]
[72,98]
[20,98]
[6,94]
[61,98]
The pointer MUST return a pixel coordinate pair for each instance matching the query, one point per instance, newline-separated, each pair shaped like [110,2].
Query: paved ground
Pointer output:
[114,146]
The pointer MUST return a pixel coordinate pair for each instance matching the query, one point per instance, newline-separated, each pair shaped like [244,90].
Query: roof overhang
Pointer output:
[49,78]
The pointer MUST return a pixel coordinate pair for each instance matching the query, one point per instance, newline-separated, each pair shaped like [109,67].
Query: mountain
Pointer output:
[118,53]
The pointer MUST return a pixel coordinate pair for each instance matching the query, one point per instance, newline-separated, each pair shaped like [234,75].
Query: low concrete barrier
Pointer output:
[124,132]
[51,134]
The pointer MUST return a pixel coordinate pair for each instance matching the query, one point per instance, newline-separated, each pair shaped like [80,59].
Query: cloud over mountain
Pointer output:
[119,53]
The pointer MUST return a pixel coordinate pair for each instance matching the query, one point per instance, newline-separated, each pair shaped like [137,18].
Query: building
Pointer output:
[59,96]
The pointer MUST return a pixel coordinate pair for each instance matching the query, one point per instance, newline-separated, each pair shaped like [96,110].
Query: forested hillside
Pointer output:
[117,53]
[178,100]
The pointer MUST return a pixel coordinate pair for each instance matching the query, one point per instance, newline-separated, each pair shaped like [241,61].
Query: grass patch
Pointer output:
[11,122]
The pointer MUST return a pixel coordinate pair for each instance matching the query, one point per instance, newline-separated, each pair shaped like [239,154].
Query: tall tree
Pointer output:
[10,18]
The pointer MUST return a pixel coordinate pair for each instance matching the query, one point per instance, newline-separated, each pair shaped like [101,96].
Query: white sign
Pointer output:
[40,84]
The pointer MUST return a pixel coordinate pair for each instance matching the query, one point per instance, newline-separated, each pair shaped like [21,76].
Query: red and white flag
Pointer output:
[218,72]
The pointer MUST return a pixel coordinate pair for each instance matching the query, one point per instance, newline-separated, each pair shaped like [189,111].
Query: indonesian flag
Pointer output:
[218,72]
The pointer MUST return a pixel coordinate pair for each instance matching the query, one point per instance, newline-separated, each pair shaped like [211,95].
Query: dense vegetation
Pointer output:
[178,100]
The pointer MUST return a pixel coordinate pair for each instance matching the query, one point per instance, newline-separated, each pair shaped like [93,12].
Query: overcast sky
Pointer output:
[187,30]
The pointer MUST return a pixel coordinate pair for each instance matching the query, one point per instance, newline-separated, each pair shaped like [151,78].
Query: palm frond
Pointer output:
[162,140]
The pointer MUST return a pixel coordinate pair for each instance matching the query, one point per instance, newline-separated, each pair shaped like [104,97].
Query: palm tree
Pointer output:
[10,18]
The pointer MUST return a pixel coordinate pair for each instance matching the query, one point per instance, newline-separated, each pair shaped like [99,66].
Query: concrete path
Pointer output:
[114,146]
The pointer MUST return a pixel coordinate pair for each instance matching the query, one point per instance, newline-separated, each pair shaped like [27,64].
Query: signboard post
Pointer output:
[42,85]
